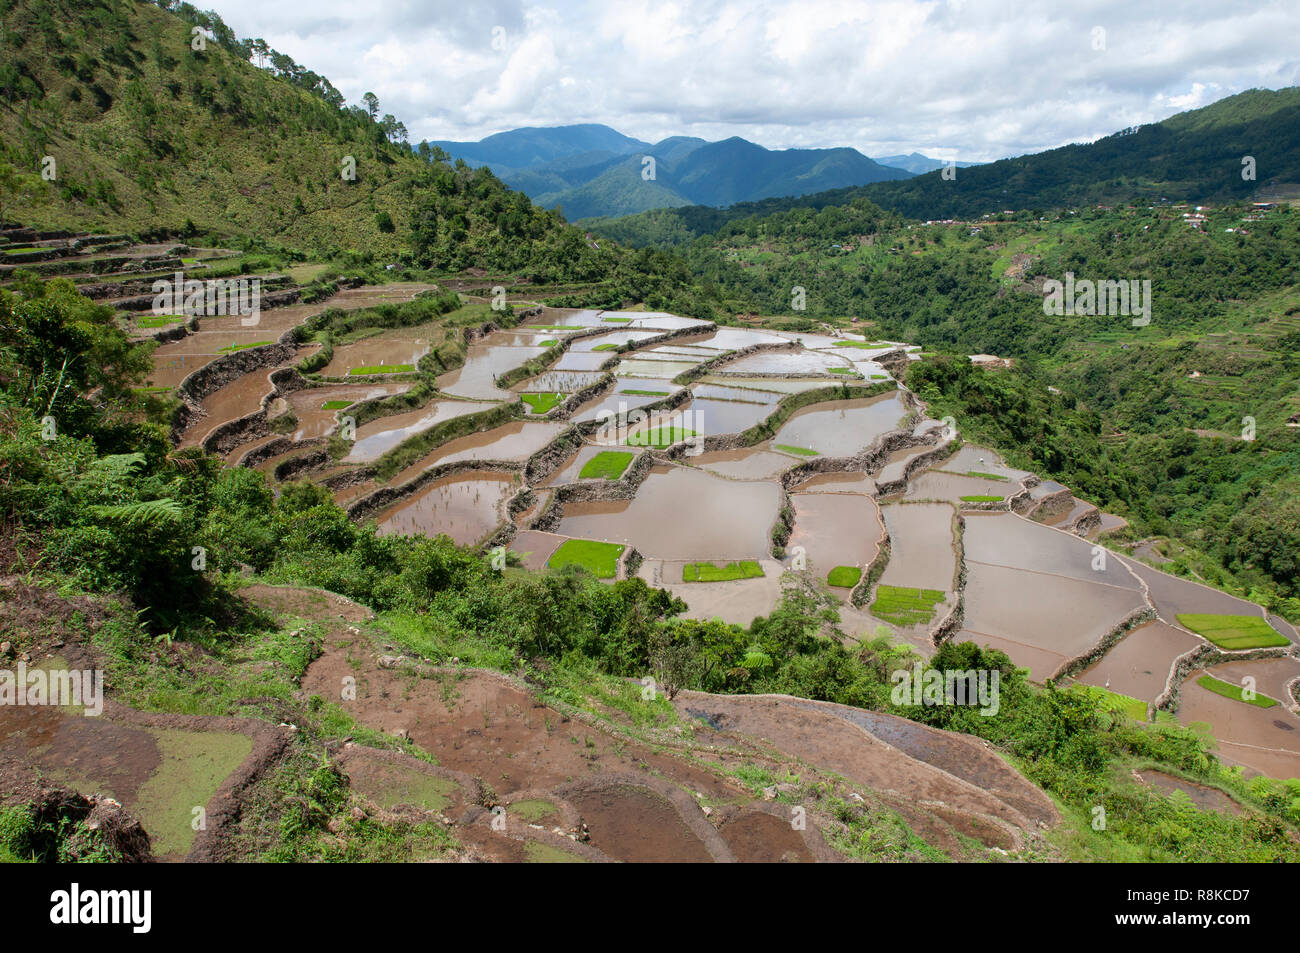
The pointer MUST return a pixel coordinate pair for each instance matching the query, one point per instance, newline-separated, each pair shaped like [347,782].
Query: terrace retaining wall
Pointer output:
[1203,656]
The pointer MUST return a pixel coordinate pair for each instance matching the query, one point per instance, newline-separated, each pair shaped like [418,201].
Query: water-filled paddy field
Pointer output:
[682,513]
[465,507]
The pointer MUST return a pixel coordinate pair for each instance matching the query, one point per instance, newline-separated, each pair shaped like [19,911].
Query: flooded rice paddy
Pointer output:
[466,507]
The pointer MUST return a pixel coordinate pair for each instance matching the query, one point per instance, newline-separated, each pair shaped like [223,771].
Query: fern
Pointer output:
[164,512]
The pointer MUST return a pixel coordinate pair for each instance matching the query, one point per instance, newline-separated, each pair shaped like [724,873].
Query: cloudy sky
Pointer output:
[965,79]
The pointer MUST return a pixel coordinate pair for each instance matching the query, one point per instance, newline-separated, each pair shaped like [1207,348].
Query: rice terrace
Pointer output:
[782,526]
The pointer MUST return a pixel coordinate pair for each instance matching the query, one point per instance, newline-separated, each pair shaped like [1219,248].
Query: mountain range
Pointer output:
[1243,146]
[592,170]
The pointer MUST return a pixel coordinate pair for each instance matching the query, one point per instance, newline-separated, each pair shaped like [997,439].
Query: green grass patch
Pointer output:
[536,852]
[533,810]
[541,403]
[194,763]
[660,437]
[985,476]
[605,347]
[550,342]
[1233,631]
[617,320]
[797,451]
[841,370]
[609,464]
[861,344]
[232,348]
[1235,692]
[982,498]
[708,572]
[601,559]
[844,577]
[336,404]
[646,393]
[382,369]
[905,606]
[158,320]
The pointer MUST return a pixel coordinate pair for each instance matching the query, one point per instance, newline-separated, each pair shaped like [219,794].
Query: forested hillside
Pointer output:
[151,136]
[1195,156]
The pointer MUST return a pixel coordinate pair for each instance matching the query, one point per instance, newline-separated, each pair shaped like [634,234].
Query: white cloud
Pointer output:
[966,78]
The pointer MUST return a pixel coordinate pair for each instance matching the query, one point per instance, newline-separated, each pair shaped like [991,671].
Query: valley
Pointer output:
[767,514]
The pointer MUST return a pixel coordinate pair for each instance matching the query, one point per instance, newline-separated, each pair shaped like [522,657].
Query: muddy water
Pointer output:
[842,428]
[570,319]
[569,470]
[1046,488]
[895,465]
[535,548]
[644,367]
[511,442]
[176,359]
[951,487]
[1172,595]
[466,507]
[921,545]
[581,361]
[782,385]
[755,837]
[617,338]
[1272,676]
[395,347]
[1041,662]
[484,363]
[1006,539]
[239,398]
[712,417]
[835,529]
[681,513]
[1049,613]
[1139,665]
[633,824]
[847,481]
[749,464]
[377,437]
[617,402]
[315,421]
[733,339]
[972,458]
[660,320]
[743,394]
[1263,740]
[786,362]
[562,382]
[681,351]
[1203,796]
[1068,518]
[1109,522]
